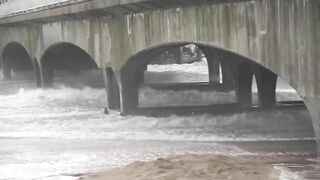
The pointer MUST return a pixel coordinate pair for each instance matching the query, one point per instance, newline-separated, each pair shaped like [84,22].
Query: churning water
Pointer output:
[61,133]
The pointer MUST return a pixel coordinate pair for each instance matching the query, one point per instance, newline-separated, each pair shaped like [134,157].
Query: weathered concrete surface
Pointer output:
[281,35]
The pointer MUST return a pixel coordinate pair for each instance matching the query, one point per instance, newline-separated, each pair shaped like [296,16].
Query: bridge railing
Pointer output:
[16,7]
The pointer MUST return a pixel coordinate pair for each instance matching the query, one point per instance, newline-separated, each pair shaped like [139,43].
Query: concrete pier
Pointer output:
[214,70]
[37,72]
[47,68]
[129,94]
[47,75]
[266,84]
[243,85]
[112,90]
[227,75]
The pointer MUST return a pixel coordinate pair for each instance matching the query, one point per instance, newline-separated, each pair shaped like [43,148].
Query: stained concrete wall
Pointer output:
[281,35]
[91,36]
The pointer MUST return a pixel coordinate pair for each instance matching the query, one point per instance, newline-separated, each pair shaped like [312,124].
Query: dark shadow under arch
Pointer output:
[15,58]
[65,59]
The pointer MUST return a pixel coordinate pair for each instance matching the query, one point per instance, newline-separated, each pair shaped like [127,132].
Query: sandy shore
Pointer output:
[191,167]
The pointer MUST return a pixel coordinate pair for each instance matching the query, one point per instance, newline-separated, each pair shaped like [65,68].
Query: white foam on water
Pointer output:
[286,174]
[200,67]
[48,133]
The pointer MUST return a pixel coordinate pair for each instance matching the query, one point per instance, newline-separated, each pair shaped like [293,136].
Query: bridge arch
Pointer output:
[241,70]
[66,59]
[15,58]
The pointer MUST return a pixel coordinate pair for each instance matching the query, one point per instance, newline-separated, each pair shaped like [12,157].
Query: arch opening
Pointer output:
[203,92]
[69,65]
[255,87]
[235,76]
[17,63]
[177,65]
[176,77]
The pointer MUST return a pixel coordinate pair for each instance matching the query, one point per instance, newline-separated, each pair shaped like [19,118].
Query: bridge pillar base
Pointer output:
[112,88]
[129,94]
[227,78]
[213,65]
[47,77]
[244,78]
[313,105]
[214,71]
[37,72]
[266,84]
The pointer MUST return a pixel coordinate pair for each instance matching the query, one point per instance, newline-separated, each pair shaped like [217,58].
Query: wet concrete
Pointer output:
[282,36]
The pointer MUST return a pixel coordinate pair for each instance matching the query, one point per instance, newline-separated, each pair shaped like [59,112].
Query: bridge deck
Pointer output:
[88,9]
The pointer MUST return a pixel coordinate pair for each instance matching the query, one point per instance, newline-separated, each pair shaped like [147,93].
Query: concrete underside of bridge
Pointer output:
[267,38]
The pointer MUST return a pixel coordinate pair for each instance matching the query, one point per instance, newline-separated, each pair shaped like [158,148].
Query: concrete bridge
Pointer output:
[264,38]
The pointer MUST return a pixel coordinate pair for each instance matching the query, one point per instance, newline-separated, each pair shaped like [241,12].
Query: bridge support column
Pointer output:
[243,81]
[313,105]
[47,77]
[214,71]
[227,78]
[47,74]
[112,90]
[129,93]
[37,72]
[213,65]
[266,84]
